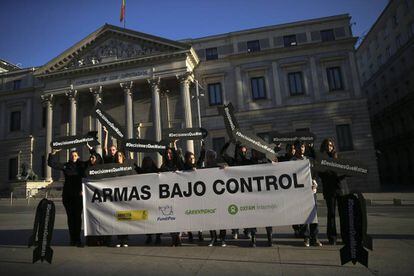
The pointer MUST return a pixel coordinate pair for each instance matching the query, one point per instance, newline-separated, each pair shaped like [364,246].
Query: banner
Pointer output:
[67,142]
[340,166]
[291,137]
[171,134]
[227,111]
[255,143]
[204,199]
[354,229]
[42,231]
[110,170]
[142,145]
[113,127]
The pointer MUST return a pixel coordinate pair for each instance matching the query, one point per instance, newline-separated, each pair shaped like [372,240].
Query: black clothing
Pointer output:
[109,159]
[71,196]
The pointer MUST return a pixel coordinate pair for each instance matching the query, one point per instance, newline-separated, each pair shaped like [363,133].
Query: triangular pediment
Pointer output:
[111,44]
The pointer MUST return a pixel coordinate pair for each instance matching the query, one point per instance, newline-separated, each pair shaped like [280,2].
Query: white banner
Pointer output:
[206,199]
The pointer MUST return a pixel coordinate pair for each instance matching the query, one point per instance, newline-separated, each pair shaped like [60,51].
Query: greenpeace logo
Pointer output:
[200,212]
[345,167]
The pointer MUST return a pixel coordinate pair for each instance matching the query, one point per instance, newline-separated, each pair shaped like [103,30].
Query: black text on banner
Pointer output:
[66,142]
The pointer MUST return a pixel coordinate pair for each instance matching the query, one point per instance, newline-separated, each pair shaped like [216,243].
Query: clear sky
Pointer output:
[32,32]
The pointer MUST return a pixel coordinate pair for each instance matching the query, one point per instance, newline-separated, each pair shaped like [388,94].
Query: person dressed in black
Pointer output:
[190,164]
[290,152]
[109,157]
[211,162]
[311,230]
[171,163]
[334,186]
[73,171]
[239,159]
[148,166]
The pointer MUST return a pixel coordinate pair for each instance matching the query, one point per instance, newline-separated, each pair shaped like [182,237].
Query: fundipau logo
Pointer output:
[166,213]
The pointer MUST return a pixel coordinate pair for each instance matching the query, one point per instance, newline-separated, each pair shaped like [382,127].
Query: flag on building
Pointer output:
[122,17]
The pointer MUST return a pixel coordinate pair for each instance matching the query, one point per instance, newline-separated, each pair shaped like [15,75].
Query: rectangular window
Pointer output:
[379,59]
[211,53]
[334,78]
[343,133]
[327,35]
[253,46]
[15,121]
[289,40]
[295,83]
[13,168]
[218,143]
[387,52]
[258,88]
[411,29]
[17,84]
[394,21]
[214,94]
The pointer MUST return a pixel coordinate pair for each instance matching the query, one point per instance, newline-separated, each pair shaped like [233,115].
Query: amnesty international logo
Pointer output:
[132,215]
[232,209]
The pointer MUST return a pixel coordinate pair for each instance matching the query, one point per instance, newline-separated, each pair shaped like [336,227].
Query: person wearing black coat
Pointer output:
[333,187]
[239,159]
[73,171]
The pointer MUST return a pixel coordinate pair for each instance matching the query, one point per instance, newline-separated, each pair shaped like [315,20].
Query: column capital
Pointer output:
[47,98]
[71,94]
[185,78]
[126,85]
[154,82]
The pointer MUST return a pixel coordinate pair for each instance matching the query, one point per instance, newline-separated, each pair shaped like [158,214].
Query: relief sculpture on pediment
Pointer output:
[111,50]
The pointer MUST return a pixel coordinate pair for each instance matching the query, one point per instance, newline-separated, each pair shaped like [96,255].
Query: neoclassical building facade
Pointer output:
[288,77]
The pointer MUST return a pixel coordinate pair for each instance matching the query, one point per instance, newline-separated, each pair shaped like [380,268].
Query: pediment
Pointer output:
[111,44]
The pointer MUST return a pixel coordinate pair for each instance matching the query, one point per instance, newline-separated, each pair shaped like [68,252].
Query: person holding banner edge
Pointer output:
[311,229]
[333,188]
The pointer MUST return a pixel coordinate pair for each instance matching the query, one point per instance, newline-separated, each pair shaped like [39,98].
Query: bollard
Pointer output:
[11,199]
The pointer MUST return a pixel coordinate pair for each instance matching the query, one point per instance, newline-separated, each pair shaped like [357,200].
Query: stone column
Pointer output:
[276,83]
[127,87]
[129,120]
[239,89]
[71,94]
[97,98]
[186,102]
[156,114]
[355,76]
[48,102]
[315,79]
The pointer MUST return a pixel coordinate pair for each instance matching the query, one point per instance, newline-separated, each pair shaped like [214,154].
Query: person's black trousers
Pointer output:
[331,224]
[73,207]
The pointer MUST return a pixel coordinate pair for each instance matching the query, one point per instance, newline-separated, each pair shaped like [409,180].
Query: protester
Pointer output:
[290,152]
[239,159]
[72,192]
[171,163]
[311,232]
[148,166]
[334,186]
[111,156]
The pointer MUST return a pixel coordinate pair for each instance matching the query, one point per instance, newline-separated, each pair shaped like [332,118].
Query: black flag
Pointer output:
[113,126]
[142,145]
[110,170]
[353,230]
[171,134]
[42,231]
[256,143]
[340,166]
[67,142]
[227,111]
[291,137]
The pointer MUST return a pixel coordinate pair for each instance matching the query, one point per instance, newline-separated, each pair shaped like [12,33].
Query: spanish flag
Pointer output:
[122,17]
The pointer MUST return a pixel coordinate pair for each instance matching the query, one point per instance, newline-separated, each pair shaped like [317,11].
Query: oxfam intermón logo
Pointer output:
[232,209]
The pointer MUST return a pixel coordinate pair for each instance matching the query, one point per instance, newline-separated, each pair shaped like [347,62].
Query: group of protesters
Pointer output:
[174,160]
